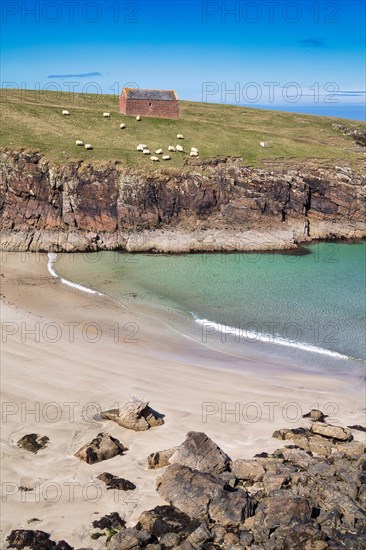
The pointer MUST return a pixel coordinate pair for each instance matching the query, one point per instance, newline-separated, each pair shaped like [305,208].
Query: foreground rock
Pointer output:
[199,452]
[35,540]
[135,415]
[102,447]
[33,442]
[203,496]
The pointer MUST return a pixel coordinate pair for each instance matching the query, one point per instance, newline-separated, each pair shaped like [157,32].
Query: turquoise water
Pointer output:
[314,302]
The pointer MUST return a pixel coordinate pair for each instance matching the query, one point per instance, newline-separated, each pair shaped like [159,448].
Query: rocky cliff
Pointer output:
[211,205]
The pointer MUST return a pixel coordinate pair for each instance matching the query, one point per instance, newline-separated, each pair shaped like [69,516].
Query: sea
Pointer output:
[306,305]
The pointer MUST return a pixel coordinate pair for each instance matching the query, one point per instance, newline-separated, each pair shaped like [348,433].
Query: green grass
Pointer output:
[33,120]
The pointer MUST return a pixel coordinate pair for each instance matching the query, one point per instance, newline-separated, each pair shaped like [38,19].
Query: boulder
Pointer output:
[199,536]
[160,459]
[33,442]
[129,539]
[135,415]
[114,482]
[203,496]
[248,470]
[102,447]
[199,452]
[333,432]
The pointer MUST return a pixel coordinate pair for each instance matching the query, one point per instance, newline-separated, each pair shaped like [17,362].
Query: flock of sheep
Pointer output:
[142,146]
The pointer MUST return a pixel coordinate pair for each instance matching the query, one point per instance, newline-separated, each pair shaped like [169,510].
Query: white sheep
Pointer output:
[179,148]
[79,142]
[88,146]
[180,136]
[138,118]
[154,159]
[166,157]
[146,152]
[143,145]
[107,115]
[194,149]
[171,148]
[65,113]
[193,154]
[122,126]
[159,151]
[140,147]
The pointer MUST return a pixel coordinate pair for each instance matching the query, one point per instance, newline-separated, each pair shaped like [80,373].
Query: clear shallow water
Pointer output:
[313,302]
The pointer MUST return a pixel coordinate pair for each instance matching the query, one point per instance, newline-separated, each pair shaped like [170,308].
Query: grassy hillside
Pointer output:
[33,119]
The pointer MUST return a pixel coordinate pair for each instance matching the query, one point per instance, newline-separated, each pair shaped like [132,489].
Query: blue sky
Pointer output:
[202,49]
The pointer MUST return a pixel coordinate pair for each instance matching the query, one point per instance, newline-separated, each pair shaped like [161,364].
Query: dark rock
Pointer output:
[114,482]
[35,540]
[199,452]
[102,447]
[199,536]
[163,520]
[358,427]
[110,521]
[135,415]
[33,442]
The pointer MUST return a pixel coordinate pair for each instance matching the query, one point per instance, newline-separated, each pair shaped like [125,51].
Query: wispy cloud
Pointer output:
[312,42]
[79,75]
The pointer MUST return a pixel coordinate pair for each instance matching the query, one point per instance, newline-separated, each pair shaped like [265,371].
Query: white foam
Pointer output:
[268,338]
[52,257]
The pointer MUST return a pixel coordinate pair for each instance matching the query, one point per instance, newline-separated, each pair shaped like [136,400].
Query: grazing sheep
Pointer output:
[154,159]
[166,157]
[138,118]
[264,143]
[66,113]
[79,142]
[180,136]
[140,147]
[107,115]
[143,145]
[193,154]
[158,151]
[171,148]
[179,148]
[146,152]
[194,149]
[122,126]
[88,146]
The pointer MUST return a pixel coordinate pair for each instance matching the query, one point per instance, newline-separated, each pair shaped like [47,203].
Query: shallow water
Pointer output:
[314,302]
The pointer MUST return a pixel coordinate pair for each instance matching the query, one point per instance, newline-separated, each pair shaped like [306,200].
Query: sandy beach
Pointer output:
[67,355]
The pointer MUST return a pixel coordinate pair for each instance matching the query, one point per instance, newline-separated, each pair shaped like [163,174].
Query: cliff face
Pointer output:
[215,205]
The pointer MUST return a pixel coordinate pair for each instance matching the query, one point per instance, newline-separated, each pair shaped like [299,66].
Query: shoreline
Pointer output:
[179,380]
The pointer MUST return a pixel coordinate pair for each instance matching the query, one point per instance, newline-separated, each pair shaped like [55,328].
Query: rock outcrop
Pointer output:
[211,205]
[291,499]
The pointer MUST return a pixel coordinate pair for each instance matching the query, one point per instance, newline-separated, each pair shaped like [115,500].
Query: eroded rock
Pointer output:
[115,482]
[102,447]
[135,414]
